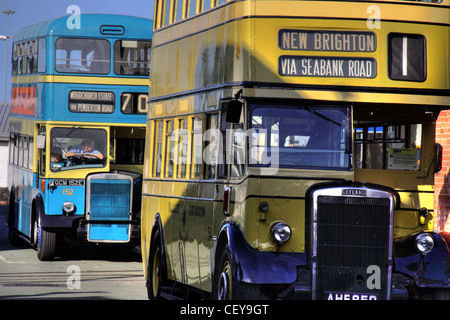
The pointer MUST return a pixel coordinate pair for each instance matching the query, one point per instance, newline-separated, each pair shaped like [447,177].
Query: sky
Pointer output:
[29,12]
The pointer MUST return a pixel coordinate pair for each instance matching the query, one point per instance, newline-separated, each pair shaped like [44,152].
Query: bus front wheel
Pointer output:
[45,243]
[226,286]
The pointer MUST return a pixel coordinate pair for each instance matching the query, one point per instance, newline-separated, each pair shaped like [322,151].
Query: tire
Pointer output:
[46,243]
[155,272]
[226,286]
[224,283]
[34,230]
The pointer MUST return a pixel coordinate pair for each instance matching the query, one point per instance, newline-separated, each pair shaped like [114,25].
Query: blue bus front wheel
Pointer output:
[46,244]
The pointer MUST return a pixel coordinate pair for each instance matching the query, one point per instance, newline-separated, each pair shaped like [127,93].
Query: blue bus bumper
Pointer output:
[75,228]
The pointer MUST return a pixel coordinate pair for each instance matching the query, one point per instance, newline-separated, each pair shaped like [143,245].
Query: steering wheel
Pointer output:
[84,158]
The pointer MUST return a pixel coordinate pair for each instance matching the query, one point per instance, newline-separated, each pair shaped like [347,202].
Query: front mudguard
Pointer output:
[429,271]
[51,221]
[258,267]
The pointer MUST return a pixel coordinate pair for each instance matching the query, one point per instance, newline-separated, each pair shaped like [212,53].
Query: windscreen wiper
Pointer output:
[322,116]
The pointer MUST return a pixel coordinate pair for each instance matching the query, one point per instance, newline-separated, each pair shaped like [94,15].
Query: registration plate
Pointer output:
[349,296]
[69,182]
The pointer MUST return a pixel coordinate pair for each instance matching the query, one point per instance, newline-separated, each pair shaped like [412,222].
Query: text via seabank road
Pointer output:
[229,309]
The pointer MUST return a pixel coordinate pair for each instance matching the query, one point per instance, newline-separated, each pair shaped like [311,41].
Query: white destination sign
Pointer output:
[333,67]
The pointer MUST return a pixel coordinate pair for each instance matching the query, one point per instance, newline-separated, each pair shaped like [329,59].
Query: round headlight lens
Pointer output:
[424,243]
[68,207]
[281,232]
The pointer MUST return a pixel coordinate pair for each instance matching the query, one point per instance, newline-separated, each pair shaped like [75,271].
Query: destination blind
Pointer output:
[327,41]
[91,101]
[312,40]
[335,67]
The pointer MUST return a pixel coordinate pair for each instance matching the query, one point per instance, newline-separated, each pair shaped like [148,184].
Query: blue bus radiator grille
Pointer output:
[352,234]
[109,201]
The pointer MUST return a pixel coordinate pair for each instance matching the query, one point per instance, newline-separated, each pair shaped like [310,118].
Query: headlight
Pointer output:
[68,207]
[424,243]
[281,232]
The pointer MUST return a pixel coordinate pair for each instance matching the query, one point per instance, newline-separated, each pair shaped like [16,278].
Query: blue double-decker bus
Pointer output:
[77,129]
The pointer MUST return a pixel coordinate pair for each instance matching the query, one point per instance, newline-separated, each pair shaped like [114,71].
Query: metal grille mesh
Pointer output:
[352,231]
[352,234]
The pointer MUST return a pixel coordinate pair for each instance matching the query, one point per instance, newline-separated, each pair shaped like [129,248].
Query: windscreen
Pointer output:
[300,136]
[75,148]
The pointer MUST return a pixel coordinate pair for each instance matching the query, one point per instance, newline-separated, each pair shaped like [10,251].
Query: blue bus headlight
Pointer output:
[424,243]
[281,232]
[68,207]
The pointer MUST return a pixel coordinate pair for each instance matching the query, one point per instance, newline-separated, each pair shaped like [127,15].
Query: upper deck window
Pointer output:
[206,5]
[178,12]
[42,57]
[167,7]
[132,57]
[191,8]
[428,1]
[83,56]
[25,57]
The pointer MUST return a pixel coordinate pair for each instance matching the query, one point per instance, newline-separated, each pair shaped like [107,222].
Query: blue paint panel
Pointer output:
[23,181]
[58,195]
[134,27]
[109,232]
[62,92]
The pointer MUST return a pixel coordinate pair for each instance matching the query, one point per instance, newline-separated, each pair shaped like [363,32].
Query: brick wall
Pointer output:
[442,178]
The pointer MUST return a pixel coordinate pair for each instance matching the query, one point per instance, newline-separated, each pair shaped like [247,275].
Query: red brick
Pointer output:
[442,179]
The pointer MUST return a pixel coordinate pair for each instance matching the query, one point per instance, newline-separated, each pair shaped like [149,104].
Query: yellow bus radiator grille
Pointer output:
[352,239]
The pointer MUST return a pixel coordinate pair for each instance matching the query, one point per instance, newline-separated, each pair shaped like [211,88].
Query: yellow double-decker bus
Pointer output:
[290,151]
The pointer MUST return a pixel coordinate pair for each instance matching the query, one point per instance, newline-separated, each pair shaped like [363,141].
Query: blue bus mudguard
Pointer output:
[49,221]
[429,271]
[255,266]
